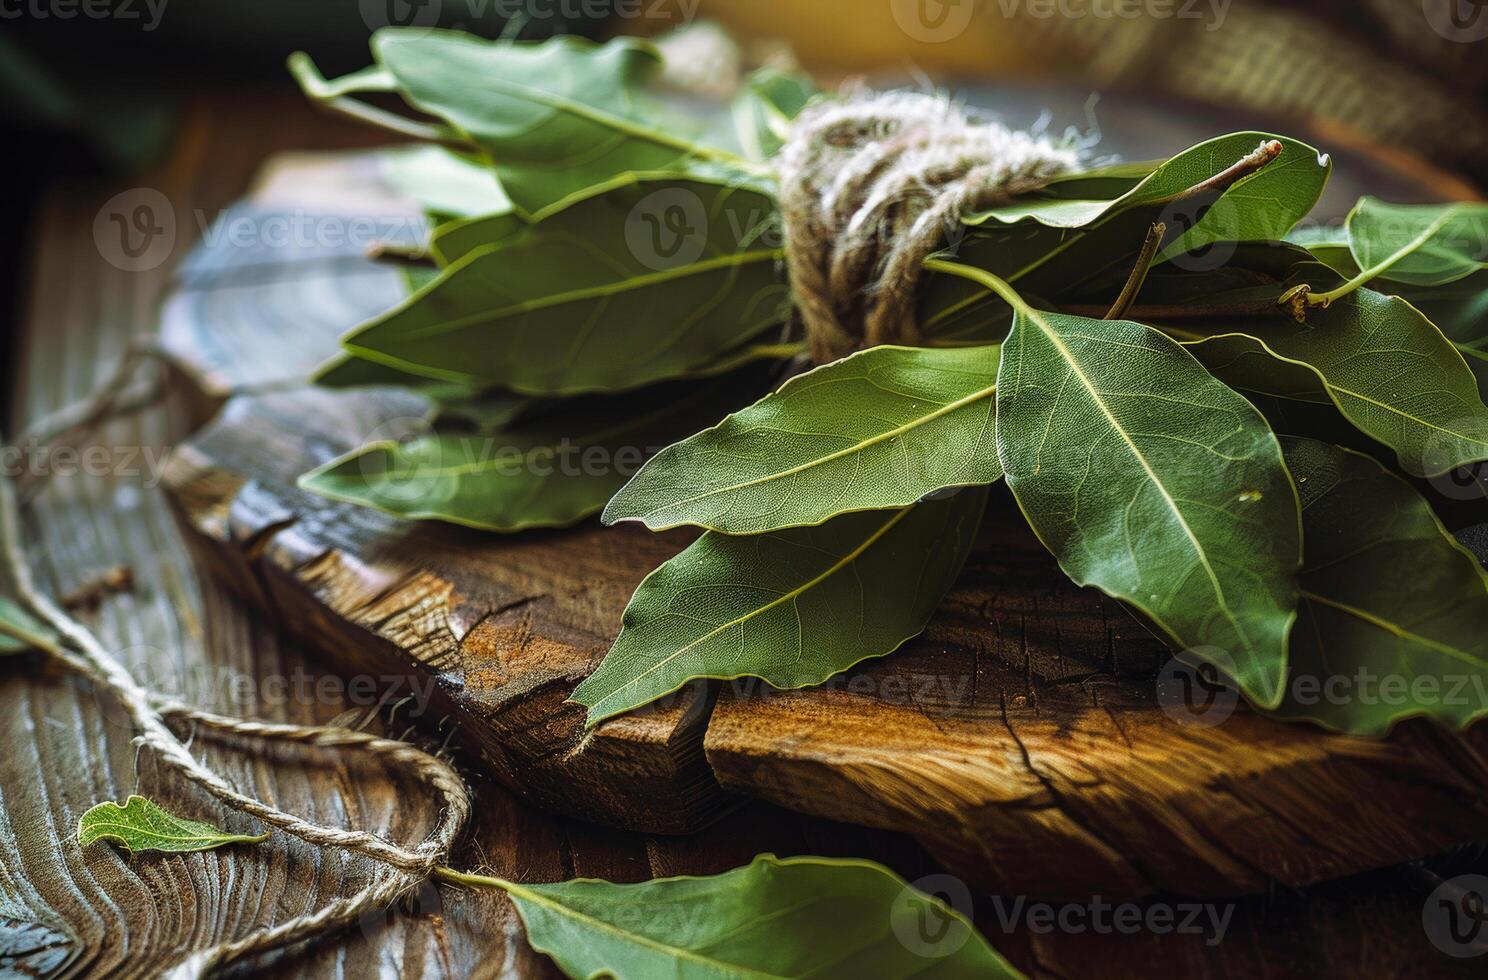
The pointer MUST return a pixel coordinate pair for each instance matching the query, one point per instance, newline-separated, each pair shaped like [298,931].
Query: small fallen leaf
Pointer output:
[141,825]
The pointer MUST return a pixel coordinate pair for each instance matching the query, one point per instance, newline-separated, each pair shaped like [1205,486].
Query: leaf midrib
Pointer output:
[837,566]
[591,292]
[1086,381]
[639,939]
[824,460]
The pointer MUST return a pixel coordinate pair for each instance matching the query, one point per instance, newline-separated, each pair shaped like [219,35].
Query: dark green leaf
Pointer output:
[792,607]
[1154,482]
[558,120]
[550,471]
[1385,366]
[882,428]
[141,825]
[638,285]
[1393,619]
[790,917]
[1053,245]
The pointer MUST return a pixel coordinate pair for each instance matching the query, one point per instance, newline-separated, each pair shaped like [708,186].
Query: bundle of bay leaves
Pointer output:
[1245,430]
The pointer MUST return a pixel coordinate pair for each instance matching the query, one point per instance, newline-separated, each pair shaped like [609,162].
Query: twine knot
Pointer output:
[870,185]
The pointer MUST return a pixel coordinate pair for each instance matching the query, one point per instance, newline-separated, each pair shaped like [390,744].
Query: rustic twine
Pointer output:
[406,868]
[870,185]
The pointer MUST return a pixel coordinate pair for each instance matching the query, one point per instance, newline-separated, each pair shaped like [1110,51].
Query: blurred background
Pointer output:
[1395,88]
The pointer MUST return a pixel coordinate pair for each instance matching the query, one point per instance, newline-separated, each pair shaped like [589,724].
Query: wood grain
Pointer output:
[67,912]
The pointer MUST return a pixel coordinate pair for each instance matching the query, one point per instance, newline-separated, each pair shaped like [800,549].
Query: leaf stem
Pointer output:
[32,640]
[1138,276]
[982,277]
[1323,300]
[332,97]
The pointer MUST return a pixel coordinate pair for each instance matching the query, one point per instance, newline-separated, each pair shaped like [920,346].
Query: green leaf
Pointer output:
[1385,366]
[558,120]
[775,917]
[1154,482]
[21,631]
[1386,590]
[1053,245]
[442,182]
[882,428]
[791,607]
[638,285]
[765,107]
[140,825]
[550,471]
[1422,244]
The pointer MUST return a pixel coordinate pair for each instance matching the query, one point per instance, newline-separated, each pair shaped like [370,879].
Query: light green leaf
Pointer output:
[141,825]
[1154,482]
[442,182]
[775,917]
[552,470]
[1393,619]
[1385,366]
[1421,244]
[765,106]
[1262,206]
[791,607]
[1052,246]
[21,631]
[638,285]
[882,428]
[558,119]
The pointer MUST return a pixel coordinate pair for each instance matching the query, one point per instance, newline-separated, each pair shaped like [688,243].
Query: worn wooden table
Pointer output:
[68,911]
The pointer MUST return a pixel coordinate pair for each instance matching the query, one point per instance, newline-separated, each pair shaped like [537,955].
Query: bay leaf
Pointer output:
[143,825]
[513,473]
[765,106]
[638,285]
[882,428]
[1419,244]
[1393,617]
[791,607]
[21,631]
[1387,368]
[774,917]
[558,119]
[443,182]
[1052,246]
[1154,482]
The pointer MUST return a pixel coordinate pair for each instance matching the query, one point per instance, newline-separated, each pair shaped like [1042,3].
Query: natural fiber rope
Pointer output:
[870,184]
[408,868]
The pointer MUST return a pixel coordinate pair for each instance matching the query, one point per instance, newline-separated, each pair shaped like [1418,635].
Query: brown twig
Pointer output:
[1138,275]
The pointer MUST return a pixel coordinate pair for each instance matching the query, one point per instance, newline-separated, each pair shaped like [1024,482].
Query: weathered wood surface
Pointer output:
[1019,739]
[69,912]
[66,911]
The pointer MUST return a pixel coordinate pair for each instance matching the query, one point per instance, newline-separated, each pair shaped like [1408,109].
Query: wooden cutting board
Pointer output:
[1020,739]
